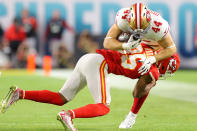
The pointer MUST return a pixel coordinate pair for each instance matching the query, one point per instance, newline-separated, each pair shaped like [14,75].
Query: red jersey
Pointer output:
[11,34]
[128,63]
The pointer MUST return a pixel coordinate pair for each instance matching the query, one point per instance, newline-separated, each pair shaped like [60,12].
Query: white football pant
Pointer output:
[91,70]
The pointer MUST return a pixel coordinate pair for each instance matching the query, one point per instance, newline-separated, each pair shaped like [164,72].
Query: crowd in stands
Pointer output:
[20,40]
[195,38]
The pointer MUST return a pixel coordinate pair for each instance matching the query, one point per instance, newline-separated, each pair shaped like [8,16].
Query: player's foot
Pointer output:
[11,97]
[66,121]
[129,121]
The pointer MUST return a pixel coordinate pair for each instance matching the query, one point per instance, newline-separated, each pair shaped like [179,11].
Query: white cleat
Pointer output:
[129,121]
[11,97]
[66,121]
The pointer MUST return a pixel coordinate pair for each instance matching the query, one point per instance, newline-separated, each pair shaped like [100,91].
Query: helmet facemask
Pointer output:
[168,73]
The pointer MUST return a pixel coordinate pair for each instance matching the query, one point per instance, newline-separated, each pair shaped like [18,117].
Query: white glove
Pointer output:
[146,65]
[131,44]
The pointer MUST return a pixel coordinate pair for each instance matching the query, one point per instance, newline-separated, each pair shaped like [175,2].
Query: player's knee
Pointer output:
[143,87]
[64,100]
[140,92]
[136,93]
[104,109]
[57,102]
[60,104]
[59,99]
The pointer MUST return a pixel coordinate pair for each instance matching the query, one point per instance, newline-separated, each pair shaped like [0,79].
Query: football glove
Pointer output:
[132,43]
[146,65]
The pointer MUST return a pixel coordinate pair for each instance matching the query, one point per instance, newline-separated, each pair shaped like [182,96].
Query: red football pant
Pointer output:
[43,96]
[137,104]
[90,110]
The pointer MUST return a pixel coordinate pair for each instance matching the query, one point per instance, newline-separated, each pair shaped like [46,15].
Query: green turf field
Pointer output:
[157,114]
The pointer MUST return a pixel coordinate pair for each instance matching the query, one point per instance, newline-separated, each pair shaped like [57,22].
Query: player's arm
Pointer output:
[111,41]
[169,48]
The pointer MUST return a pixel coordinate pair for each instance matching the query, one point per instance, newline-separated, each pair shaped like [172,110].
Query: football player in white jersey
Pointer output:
[153,30]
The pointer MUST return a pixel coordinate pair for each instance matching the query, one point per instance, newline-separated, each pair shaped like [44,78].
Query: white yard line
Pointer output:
[165,88]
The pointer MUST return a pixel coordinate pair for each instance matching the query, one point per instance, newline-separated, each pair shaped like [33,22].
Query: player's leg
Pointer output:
[95,75]
[97,84]
[140,93]
[73,84]
[44,96]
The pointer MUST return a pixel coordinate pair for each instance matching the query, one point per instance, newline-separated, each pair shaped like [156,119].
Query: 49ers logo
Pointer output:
[172,64]
[126,15]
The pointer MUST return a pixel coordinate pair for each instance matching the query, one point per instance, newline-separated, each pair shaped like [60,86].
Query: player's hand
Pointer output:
[131,44]
[146,65]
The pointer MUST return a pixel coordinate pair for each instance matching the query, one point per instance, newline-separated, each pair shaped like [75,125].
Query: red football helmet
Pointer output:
[168,66]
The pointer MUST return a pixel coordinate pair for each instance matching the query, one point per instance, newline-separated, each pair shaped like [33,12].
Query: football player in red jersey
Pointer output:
[153,30]
[91,70]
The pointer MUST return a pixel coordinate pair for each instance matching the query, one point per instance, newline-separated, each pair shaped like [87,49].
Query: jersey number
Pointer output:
[156,29]
[130,62]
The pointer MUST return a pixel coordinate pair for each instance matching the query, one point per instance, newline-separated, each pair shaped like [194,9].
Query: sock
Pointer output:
[43,96]
[90,110]
[137,104]
[131,114]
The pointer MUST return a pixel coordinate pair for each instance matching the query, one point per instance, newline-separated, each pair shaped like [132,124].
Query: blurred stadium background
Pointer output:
[53,34]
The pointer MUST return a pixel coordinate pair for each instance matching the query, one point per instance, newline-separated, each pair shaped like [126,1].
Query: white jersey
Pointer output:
[157,30]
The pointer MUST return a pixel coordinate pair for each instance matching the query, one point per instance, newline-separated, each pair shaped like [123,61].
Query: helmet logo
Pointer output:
[172,64]
[126,15]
